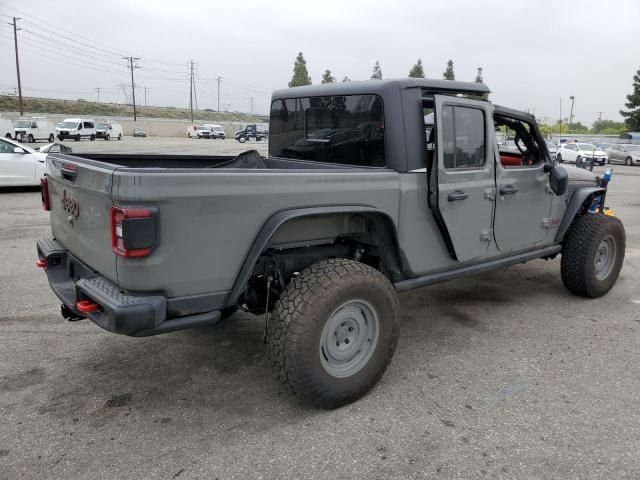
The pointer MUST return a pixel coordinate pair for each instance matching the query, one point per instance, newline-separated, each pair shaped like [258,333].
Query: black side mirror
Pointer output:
[558,179]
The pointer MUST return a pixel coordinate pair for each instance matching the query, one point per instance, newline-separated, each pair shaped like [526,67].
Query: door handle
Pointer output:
[457,196]
[508,190]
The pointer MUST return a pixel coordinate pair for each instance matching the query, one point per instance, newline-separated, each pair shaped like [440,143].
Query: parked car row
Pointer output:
[598,153]
[206,130]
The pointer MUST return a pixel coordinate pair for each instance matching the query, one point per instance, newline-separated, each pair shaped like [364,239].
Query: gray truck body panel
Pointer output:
[214,223]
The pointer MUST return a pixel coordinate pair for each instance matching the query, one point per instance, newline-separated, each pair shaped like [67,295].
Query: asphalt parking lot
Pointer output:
[503,375]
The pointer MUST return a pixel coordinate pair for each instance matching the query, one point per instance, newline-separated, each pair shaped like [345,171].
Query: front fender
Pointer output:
[576,203]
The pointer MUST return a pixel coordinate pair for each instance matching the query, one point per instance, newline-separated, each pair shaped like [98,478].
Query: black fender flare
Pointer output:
[383,222]
[576,203]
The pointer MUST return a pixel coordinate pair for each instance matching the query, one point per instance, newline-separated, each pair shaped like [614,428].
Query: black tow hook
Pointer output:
[69,314]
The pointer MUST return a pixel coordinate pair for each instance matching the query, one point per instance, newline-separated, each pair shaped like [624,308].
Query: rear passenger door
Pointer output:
[465,175]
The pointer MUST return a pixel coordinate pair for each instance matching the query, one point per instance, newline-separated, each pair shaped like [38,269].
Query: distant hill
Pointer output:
[9,103]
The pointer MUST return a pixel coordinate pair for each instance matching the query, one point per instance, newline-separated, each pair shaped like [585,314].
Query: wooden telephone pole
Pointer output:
[15,39]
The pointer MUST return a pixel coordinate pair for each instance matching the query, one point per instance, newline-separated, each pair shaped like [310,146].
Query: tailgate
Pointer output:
[80,195]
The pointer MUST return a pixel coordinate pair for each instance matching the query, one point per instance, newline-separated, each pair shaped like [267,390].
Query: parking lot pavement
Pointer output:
[167,145]
[503,375]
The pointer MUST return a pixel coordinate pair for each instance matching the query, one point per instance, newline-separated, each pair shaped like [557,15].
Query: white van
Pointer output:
[6,128]
[108,130]
[34,129]
[76,128]
[216,131]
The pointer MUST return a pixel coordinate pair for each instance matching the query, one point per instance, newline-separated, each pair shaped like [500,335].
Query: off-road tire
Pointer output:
[581,246]
[298,320]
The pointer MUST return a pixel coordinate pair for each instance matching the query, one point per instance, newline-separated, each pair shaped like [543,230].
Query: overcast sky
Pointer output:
[533,52]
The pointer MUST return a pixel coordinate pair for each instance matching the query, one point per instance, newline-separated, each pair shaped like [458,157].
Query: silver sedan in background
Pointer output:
[625,154]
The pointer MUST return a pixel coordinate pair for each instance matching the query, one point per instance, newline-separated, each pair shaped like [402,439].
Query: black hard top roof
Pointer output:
[380,87]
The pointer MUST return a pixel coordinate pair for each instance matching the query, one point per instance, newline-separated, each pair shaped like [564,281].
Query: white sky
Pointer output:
[533,52]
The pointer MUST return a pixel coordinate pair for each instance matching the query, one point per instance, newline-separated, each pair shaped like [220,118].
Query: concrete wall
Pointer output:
[159,127]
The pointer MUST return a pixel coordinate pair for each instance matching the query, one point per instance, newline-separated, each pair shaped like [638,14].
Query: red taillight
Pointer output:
[40,263]
[86,306]
[44,192]
[133,231]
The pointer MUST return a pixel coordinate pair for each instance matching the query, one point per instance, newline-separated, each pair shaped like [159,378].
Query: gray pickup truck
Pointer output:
[369,189]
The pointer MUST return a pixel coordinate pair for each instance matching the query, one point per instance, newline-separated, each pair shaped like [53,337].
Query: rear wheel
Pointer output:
[592,254]
[77,139]
[628,161]
[119,136]
[107,137]
[8,135]
[51,138]
[333,332]
[559,158]
[31,139]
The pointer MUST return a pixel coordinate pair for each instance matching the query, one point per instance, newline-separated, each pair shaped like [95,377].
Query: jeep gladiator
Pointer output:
[369,189]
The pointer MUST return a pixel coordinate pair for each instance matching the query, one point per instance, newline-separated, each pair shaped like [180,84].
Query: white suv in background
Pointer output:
[576,152]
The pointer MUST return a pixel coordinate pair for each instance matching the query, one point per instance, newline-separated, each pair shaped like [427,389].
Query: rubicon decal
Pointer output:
[70,204]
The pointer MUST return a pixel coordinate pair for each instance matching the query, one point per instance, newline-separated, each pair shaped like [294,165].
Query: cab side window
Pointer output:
[6,147]
[463,135]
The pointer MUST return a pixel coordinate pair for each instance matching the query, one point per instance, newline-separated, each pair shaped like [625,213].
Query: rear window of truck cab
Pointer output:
[345,129]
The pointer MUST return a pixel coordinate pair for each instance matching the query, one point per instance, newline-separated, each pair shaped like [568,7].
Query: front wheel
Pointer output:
[77,139]
[333,332]
[592,254]
[92,137]
[119,136]
[51,138]
[628,162]
[242,139]
[559,158]
[31,139]
[107,137]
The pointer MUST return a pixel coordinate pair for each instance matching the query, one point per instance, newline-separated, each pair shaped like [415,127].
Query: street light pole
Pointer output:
[572,98]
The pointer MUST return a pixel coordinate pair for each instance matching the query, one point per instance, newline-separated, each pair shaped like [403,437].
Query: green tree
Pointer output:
[632,116]
[327,77]
[449,74]
[608,127]
[377,72]
[479,78]
[300,73]
[346,79]
[417,71]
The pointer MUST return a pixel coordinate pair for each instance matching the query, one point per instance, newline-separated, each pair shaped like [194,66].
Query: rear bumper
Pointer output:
[117,311]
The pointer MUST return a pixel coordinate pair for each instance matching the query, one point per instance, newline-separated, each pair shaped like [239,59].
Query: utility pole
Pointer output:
[251,98]
[560,117]
[572,98]
[600,116]
[145,96]
[97,89]
[191,89]
[219,94]
[132,66]
[15,39]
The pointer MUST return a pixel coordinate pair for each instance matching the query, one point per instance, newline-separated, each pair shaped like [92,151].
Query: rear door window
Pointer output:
[345,129]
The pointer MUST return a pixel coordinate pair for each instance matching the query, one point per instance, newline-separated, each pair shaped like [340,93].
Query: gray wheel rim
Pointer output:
[605,258]
[349,338]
